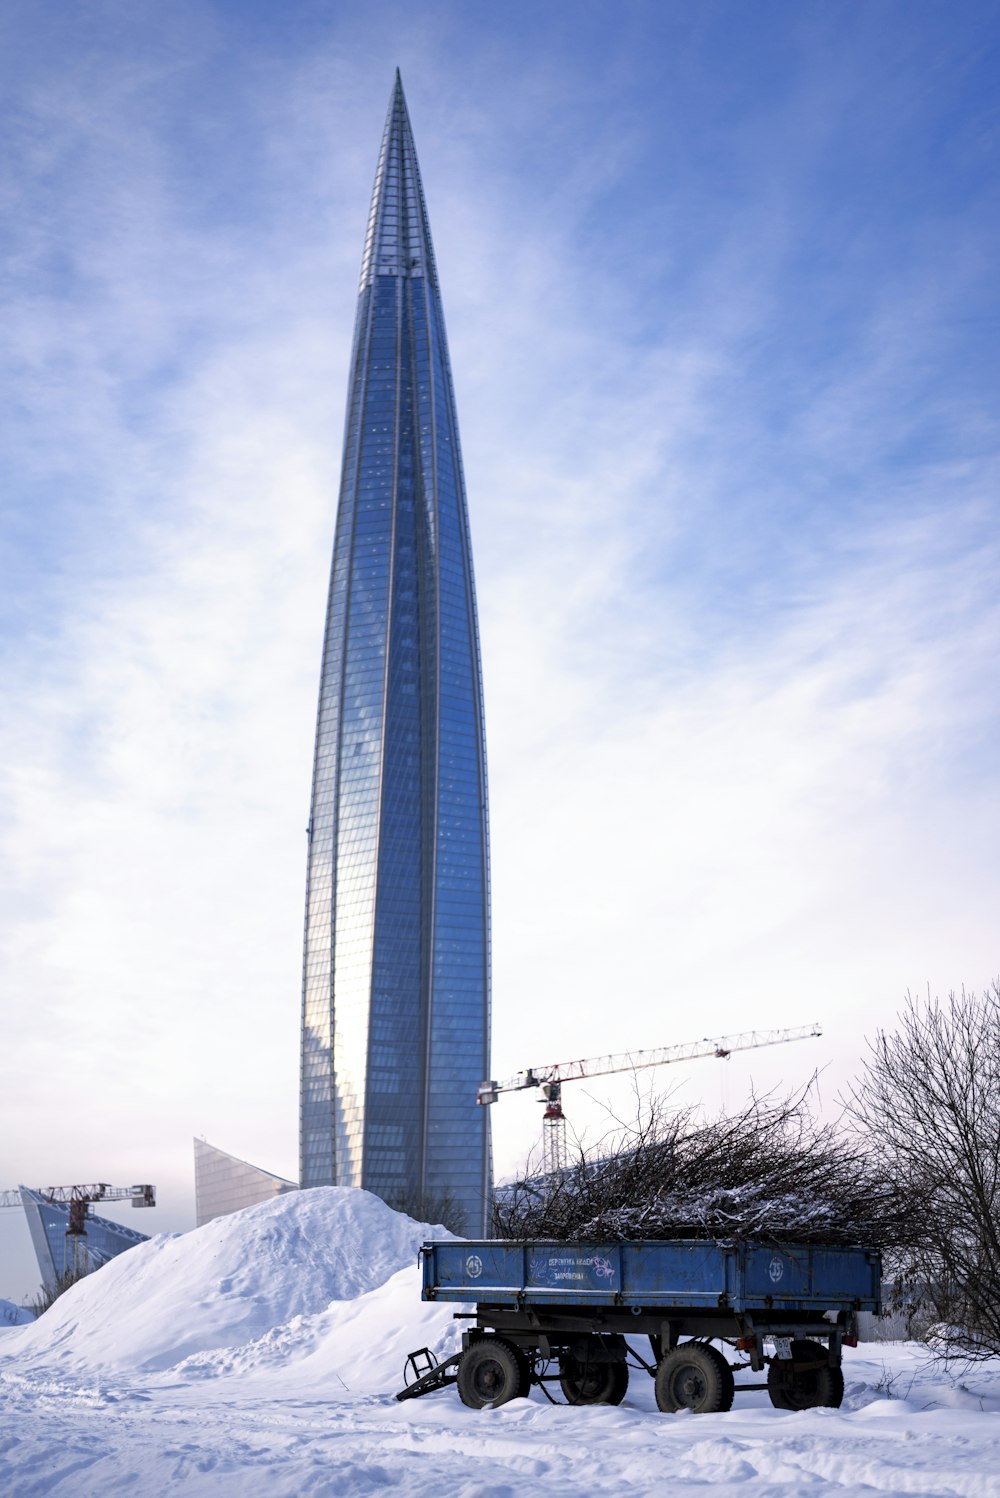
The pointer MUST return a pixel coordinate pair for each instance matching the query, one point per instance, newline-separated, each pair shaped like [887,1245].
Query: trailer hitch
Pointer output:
[423,1374]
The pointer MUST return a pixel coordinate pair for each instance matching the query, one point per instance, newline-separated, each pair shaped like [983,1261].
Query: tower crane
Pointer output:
[78,1199]
[549,1079]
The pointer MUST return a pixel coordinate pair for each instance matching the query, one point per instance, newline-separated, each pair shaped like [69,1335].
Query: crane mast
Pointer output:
[549,1079]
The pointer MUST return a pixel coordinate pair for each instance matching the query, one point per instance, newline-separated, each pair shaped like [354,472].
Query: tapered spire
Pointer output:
[398,240]
[396,975]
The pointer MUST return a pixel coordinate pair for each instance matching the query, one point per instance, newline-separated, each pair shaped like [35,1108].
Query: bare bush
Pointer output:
[428,1206]
[930,1097]
[769,1172]
[49,1294]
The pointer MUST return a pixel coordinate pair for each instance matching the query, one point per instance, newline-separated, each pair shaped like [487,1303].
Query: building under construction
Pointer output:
[66,1236]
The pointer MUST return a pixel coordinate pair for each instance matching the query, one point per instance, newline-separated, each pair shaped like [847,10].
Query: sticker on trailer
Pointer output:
[566,1270]
[776,1269]
[474,1266]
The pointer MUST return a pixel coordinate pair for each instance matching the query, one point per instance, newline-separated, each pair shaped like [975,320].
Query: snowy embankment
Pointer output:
[259,1356]
[292,1281]
[12,1315]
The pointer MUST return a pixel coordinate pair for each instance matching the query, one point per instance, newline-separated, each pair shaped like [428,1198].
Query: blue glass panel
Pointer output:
[396,968]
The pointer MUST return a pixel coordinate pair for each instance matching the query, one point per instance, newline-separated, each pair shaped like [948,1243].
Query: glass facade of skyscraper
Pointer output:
[395,1034]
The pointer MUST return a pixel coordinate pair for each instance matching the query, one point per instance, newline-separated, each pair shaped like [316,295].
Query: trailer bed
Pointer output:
[654,1273]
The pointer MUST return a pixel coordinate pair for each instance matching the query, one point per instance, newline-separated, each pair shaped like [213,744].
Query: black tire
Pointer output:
[695,1376]
[806,1388]
[592,1383]
[526,1365]
[491,1372]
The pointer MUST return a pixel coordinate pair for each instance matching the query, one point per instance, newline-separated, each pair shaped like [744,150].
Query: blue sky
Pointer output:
[721,290]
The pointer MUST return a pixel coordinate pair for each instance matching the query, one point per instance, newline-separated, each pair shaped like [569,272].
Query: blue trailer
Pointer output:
[570,1314]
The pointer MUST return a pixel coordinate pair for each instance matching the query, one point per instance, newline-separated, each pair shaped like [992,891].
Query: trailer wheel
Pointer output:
[491,1373]
[695,1376]
[592,1383]
[526,1365]
[791,1388]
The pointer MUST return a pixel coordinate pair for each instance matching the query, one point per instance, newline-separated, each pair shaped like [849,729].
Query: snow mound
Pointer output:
[226,1284]
[355,1346]
[12,1315]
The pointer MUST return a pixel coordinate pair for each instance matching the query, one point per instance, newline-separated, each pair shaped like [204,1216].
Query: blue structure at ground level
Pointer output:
[59,1252]
[396,987]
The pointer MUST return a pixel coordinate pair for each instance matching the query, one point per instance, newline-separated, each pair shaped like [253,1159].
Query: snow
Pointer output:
[259,1356]
[12,1315]
[226,1284]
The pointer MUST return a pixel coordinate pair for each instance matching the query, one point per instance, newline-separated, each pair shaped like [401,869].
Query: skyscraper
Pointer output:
[396,985]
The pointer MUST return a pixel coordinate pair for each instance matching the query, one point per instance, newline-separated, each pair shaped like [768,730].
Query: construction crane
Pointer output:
[550,1079]
[78,1199]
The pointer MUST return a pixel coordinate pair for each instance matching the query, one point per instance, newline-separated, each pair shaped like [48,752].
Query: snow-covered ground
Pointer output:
[260,1355]
[12,1315]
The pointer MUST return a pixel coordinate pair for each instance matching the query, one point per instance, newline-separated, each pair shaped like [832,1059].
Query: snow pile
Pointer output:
[357,1346]
[263,1277]
[12,1315]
